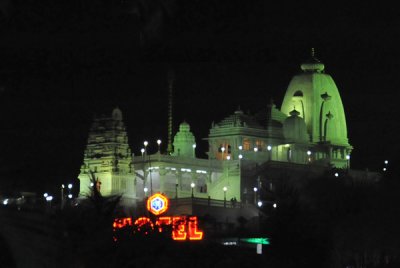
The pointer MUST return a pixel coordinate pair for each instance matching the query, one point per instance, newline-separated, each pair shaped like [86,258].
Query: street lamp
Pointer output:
[70,186]
[259,204]
[269,148]
[228,157]
[223,150]
[145,189]
[159,143]
[309,156]
[255,149]
[194,150]
[240,156]
[348,161]
[255,189]
[142,151]
[192,185]
[225,189]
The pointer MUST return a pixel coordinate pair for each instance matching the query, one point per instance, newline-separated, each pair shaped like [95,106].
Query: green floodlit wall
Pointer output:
[304,94]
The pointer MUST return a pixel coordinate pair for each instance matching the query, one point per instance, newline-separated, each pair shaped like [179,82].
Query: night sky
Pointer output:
[62,62]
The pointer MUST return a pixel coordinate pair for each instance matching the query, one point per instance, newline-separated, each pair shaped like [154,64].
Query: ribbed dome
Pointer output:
[294,128]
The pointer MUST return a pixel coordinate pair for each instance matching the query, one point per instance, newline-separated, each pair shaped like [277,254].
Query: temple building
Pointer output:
[307,134]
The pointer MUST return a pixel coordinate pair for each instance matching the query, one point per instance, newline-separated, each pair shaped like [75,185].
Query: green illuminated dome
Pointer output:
[184,141]
[315,95]
[295,129]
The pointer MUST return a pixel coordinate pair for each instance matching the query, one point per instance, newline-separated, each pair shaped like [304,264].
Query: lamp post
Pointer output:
[348,161]
[142,151]
[62,196]
[309,156]
[194,150]
[145,143]
[225,189]
[176,189]
[192,185]
[255,189]
[269,148]
[159,143]
[222,150]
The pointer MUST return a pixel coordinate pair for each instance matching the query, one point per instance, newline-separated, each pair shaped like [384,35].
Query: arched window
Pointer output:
[298,93]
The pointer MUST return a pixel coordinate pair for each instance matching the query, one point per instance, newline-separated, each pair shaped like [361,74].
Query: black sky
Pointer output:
[62,62]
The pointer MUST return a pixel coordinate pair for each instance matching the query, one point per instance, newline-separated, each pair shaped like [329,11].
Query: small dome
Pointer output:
[117,114]
[185,127]
[294,128]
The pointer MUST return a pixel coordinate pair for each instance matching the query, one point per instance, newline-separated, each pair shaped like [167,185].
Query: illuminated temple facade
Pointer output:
[308,132]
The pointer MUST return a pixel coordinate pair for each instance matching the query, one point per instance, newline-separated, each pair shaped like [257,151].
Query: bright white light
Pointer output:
[225,189]
[308,152]
[158,142]
[145,189]
[336,174]
[384,169]
[5,202]
[91,184]
[70,196]
[269,147]
[228,157]
[145,143]
[259,203]
[49,198]
[62,186]
[240,156]
[348,157]
[255,189]
[45,195]
[255,149]
[194,146]
[142,150]
[240,147]
[223,149]
[386,162]
[70,186]
[274,205]
[192,185]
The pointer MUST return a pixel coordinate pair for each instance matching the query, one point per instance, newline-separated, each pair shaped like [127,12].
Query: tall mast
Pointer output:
[171,80]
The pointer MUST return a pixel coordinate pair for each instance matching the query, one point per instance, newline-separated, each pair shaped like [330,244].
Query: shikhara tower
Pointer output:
[307,134]
[108,158]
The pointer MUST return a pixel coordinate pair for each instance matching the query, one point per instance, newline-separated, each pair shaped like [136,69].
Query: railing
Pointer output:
[206,202]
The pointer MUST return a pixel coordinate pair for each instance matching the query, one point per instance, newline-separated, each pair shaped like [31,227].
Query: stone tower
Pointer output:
[108,157]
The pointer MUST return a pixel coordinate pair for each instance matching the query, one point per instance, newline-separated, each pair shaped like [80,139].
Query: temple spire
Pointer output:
[171,80]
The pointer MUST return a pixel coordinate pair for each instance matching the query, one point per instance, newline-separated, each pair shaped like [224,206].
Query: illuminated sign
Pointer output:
[157,204]
[183,227]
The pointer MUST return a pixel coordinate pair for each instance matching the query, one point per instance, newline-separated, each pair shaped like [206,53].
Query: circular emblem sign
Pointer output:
[157,204]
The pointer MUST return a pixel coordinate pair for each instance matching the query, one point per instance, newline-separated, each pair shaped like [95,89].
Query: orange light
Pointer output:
[122,222]
[163,221]
[157,204]
[194,234]
[143,221]
[179,228]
